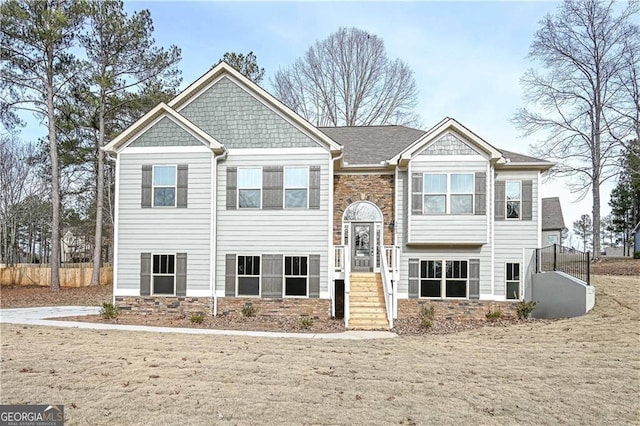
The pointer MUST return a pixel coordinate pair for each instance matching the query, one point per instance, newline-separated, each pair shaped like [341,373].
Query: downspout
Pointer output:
[214,225]
[116,197]
[332,266]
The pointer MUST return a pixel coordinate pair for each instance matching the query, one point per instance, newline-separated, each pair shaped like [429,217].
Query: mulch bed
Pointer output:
[413,327]
[20,296]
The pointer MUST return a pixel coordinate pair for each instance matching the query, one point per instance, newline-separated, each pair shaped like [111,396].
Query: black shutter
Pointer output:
[527,200]
[181,274]
[145,274]
[230,275]
[272,275]
[481,193]
[314,187]
[314,275]
[499,200]
[272,181]
[183,186]
[147,185]
[414,278]
[416,193]
[232,185]
[474,279]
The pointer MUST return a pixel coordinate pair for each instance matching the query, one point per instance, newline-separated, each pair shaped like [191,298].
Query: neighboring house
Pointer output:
[552,221]
[75,247]
[224,196]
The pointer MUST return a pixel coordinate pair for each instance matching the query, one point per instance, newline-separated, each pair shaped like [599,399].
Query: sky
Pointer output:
[467,57]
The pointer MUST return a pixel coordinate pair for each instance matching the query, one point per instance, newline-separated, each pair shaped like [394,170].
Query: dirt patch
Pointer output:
[616,266]
[33,296]
[572,371]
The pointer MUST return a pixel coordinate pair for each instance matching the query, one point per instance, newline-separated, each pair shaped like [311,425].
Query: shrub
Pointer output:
[636,254]
[494,315]
[524,308]
[248,310]
[196,318]
[305,322]
[427,315]
[108,311]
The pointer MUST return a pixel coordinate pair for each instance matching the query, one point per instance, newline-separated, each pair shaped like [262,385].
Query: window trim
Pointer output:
[506,200]
[506,280]
[153,275]
[443,279]
[238,188]
[154,186]
[284,187]
[448,193]
[285,276]
[259,295]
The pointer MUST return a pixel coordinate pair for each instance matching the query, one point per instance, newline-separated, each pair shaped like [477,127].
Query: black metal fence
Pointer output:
[564,259]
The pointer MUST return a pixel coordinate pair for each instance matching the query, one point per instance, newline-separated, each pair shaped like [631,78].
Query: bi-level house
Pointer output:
[224,196]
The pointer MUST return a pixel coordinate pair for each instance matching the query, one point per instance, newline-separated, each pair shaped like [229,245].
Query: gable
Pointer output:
[165,132]
[238,120]
[449,144]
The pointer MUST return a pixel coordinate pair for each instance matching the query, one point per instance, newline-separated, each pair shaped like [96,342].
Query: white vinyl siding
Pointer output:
[512,236]
[296,232]
[162,230]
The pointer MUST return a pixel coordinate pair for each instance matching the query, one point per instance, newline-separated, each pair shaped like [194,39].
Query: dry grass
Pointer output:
[19,296]
[576,371]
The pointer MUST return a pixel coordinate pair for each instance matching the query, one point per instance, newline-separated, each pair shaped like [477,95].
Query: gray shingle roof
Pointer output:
[375,144]
[372,144]
[552,214]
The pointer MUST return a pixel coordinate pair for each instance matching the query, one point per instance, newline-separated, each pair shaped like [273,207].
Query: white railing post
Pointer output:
[387,284]
[346,267]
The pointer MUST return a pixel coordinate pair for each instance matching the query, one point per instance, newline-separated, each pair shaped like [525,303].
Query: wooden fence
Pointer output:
[71,275]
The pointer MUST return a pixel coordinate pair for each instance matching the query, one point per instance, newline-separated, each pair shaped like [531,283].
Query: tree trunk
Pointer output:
[596,220]
[55,178]
[97,248]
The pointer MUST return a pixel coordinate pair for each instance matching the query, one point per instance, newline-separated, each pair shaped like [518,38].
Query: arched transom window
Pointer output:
[362,211]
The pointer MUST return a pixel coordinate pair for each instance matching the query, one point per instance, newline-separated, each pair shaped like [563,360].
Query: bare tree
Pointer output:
[582,101]
[348,79]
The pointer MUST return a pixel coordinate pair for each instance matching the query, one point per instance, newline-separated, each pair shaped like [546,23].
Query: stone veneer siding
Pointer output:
[456,309]
[377,189]
[165,305]
[314,308]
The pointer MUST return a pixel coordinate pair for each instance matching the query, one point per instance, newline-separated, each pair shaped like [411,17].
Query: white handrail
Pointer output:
[346,266]
[387,284]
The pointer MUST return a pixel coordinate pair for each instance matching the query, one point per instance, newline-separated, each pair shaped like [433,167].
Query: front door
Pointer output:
[362,246]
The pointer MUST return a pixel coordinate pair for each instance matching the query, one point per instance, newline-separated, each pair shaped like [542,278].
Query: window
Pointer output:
[296,187]
[457,278]
[453,284]
[164,186]
[448,193]
[435,193]
[295,276]
[514,199]
[513,281]
[430,278]
[164,274]
[461,194]
[249,188]
[248,275]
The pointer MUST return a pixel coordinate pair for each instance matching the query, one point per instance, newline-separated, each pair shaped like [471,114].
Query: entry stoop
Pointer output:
[367,310]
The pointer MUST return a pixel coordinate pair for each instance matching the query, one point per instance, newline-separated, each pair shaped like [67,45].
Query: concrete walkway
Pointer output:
[38,316]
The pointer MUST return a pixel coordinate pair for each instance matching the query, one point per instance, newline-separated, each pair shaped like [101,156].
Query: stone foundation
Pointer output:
[314,308]
[165,305]
[456,309]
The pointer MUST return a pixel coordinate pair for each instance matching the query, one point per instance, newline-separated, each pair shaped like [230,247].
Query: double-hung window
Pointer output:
[248,275]
[514,199]
[435,193]
[164,186]
[448,193]
[452,283]
[295,276]
[164,274]
[513,281]
[431,278]
[461,193]
[296,187]
[249,187]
